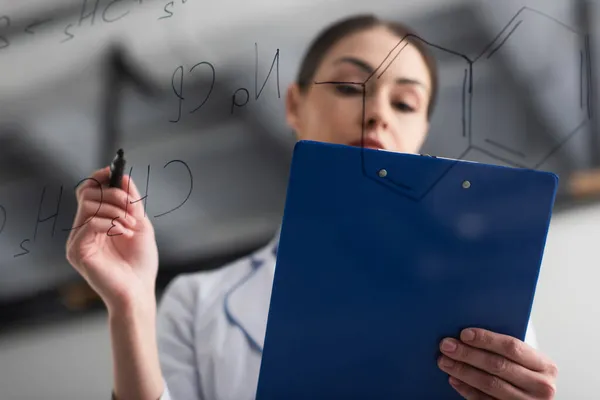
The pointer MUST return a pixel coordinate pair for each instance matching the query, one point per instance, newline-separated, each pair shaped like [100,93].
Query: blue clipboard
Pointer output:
[383,254]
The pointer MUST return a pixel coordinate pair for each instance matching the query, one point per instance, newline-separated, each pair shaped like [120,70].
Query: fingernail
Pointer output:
[468,335]
[448,345]
[454,381]
[446,362]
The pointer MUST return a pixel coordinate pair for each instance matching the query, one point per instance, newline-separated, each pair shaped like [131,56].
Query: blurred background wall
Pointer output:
[79,79]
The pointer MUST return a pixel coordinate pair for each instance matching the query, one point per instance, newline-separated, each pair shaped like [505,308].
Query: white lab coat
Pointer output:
[211,328]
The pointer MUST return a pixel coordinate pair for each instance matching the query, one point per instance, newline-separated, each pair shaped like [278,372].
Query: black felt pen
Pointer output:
[117,167]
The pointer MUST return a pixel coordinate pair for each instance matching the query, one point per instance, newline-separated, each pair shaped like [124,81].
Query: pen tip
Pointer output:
[120,152]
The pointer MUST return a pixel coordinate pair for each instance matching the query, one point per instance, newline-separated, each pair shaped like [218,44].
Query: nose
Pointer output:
[375,122]
[376,113]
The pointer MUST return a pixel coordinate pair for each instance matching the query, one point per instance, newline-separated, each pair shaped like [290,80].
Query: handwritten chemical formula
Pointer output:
[240,96]
[25,245]
[93,13]
[489,147]
[116,10]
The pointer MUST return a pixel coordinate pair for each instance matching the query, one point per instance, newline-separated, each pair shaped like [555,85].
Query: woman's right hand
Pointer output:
[112,243]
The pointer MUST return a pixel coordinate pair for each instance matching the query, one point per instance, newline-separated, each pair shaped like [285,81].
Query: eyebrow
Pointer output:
[370,70]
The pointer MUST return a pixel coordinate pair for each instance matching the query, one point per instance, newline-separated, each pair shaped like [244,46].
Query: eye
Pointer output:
[348,89]
[401,106]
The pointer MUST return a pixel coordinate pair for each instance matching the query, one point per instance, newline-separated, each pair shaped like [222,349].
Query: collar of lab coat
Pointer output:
[247,302]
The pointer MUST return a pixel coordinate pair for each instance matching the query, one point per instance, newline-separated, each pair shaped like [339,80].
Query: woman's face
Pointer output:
[395,103]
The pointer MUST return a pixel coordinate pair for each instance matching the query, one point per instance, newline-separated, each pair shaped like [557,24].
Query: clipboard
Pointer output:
[383,254]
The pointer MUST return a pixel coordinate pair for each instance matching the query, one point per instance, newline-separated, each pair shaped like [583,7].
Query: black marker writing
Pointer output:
[190,191]
[234,103]
[40,220]
[23,248]
[256,92]
[504,40]
[31,28]
[275,59]
[107,8]
[3,210]
[581,79]
[496,156]
[559,145]
[212,83]
[112,11]
[67,33]
[177,83]
[464,103]
[239,98]
[406,43]
[145,198]
[168,13]
[179,94]
[505,148]
[4,20]
[91,15]
[167,9]
[401,188]
[100,205]
[53,216]
[128,187]
[112,225]
[590,85]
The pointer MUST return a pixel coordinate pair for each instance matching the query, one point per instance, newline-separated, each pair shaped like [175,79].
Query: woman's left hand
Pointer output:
[488,365]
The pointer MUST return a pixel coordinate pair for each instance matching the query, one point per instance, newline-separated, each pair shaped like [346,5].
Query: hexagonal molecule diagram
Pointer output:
[550,68]
[538,49]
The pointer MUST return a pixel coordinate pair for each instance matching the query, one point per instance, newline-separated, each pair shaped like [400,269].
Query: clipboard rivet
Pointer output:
[466,184]
[382,173]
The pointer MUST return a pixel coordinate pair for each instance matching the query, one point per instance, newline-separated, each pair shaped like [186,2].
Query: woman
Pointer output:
[211,325]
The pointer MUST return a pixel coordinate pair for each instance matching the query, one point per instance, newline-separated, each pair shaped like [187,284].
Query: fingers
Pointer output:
[101,177]
[95,209]
[86,236]
[495,364]
[106,226]
[506,346]
[498,365]
[98,178]
[95,203]
[467,391]
[116,197]
[483,382]
[130,187]
[95,199]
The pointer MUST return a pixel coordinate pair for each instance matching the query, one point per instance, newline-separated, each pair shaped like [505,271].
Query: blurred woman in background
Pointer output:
[211,325]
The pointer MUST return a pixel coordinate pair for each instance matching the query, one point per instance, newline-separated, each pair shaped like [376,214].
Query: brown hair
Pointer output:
[331,35]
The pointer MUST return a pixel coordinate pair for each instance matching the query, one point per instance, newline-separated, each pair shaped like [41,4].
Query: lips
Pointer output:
[369,143]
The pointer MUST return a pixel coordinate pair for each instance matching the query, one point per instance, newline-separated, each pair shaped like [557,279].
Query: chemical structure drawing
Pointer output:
[474,138]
